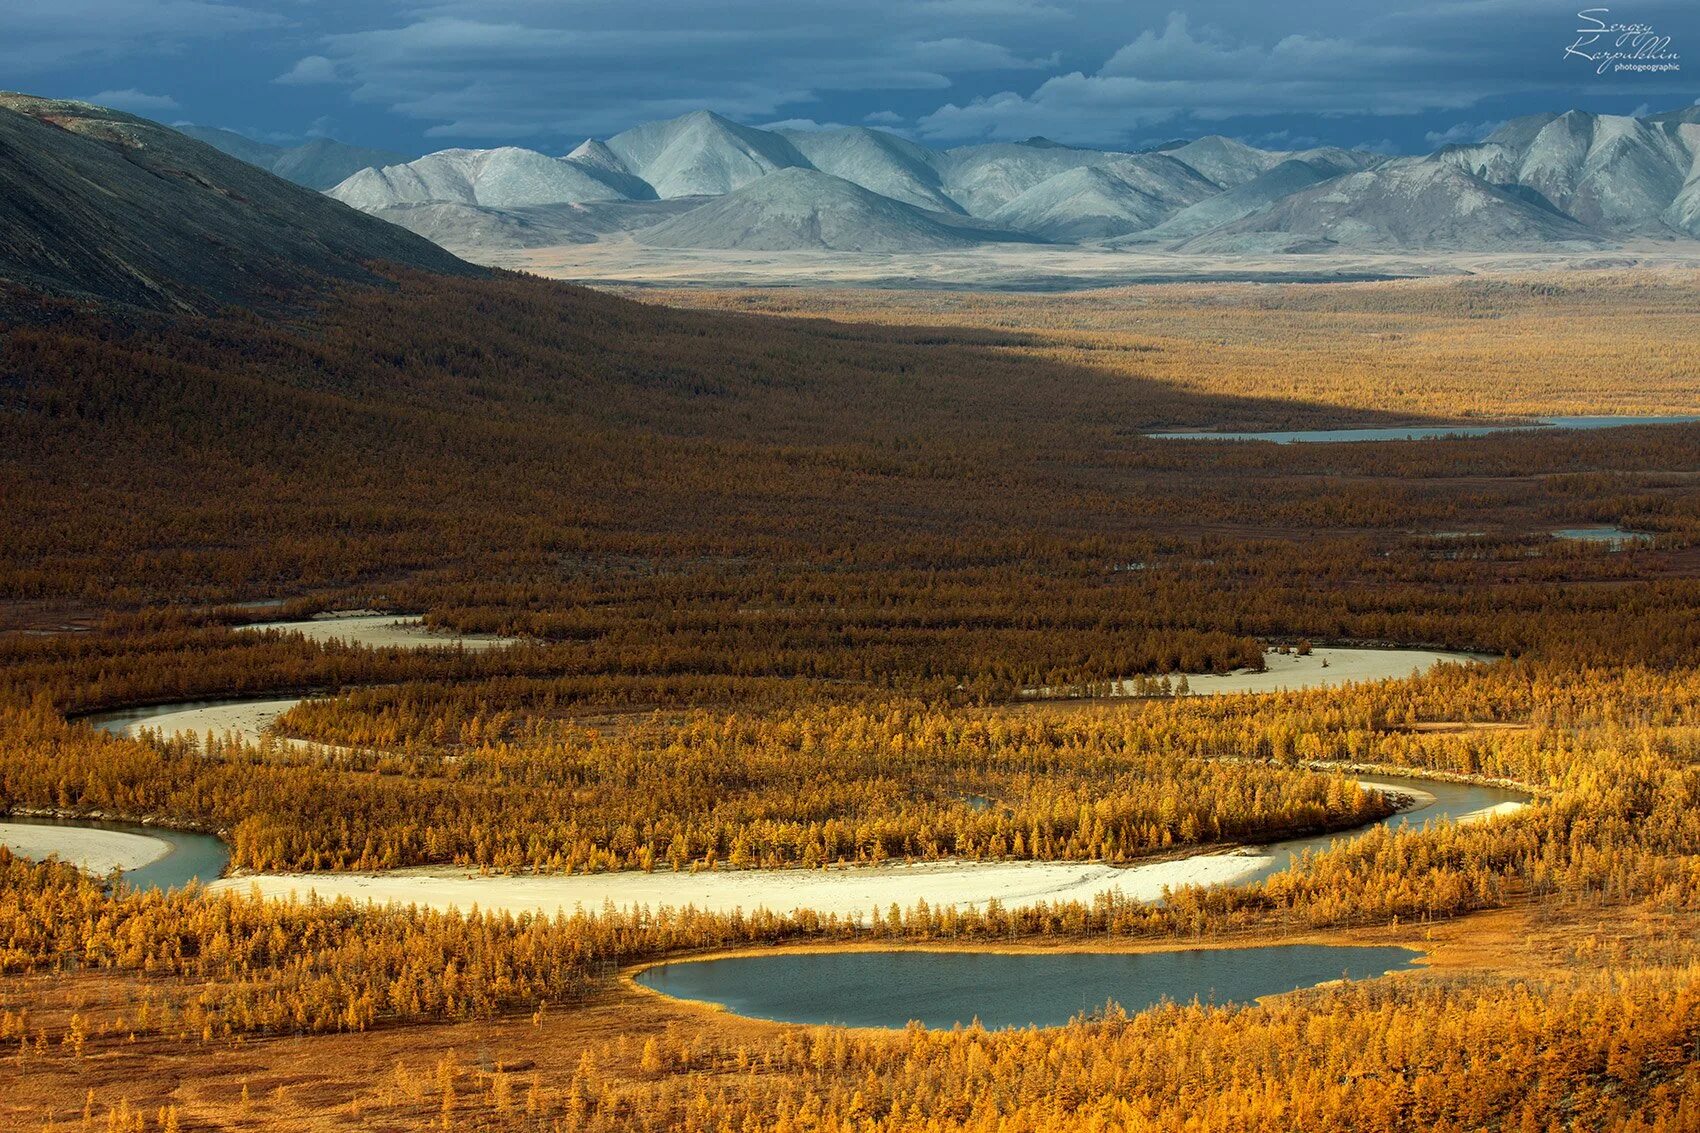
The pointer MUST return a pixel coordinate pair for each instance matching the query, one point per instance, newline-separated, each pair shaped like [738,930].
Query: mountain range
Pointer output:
[1570,181]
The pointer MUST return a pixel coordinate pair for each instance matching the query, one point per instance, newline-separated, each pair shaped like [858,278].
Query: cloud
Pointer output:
[1462,132]
[1386,147]
[807,125]
[309,71]
[548,72]
[960,55]
[133,100]
[36,38]
[1283,139]
[1192,71]
[517,68]
[1201,74]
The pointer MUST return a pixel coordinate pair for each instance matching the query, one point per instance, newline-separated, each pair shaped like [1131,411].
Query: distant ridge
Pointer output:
[317,164]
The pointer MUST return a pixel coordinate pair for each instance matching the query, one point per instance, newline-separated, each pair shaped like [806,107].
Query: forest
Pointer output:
[781,584]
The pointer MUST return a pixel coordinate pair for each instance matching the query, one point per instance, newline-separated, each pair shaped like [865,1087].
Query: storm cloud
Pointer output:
[546,73]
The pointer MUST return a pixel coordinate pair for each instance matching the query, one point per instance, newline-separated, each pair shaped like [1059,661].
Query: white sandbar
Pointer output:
[247,720]
[381,631]
[97,851]
[1323,667]
[846,891]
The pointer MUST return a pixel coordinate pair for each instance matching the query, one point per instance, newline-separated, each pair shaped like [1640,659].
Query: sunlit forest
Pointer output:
[784,590]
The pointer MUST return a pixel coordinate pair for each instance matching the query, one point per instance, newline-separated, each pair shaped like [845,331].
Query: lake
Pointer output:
[1003,989]
[1423,432]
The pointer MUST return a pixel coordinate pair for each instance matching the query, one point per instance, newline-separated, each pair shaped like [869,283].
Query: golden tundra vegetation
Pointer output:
[782,583]
[1578,344]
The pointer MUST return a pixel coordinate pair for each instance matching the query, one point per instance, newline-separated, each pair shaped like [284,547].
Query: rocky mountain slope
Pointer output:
[1611,172]
[102,205]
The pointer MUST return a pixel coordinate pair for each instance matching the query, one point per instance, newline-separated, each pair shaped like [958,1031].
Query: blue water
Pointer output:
[1425,432]
[942,989]
[1452,801]
[1615,538]
[193,856]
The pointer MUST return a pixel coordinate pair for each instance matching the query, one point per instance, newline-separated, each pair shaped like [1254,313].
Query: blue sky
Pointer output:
[1394,75]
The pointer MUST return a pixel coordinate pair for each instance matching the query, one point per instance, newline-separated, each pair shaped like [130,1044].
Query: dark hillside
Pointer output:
[99,204]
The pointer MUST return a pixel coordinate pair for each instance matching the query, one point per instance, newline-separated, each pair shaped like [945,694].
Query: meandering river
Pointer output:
[846,891]
[858,988]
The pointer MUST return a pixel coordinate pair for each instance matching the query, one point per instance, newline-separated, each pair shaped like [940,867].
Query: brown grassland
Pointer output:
[782,582]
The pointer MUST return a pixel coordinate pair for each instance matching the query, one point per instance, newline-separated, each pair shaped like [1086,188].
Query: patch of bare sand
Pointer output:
[97,851]
[1323,667]
[380,631]
[845,891]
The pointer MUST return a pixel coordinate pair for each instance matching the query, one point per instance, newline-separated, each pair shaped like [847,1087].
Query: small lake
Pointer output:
[1424,432]
[193,856]
[942,989]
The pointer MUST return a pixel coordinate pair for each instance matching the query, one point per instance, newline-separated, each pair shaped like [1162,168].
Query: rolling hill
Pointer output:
[1402,204]
[701,154]
[508,177]
[1096,201]
[805,209]
[884,163]
[1252,196]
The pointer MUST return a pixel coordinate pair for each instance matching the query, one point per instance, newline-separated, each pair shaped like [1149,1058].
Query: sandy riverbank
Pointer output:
[1323,667]
[847,891]
[248,720]
[97,851]
[380,631]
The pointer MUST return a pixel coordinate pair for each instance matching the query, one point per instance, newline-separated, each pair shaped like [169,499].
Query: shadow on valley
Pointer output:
[685,506]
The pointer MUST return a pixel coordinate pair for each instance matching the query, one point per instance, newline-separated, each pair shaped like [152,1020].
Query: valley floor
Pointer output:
[620,261]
